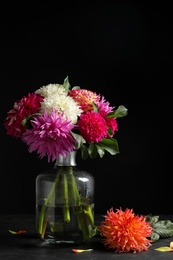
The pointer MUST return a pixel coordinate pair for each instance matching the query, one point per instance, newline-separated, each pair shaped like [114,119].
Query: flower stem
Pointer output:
[82,222]
[73,190]
[43,218]
[83,213]
[89,214]
[66,211]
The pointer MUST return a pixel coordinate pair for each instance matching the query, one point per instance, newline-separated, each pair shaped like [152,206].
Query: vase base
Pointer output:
[56,242]
[53,241]
[73,239]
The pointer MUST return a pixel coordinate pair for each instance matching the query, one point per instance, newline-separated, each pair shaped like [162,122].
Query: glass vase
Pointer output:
[65,203]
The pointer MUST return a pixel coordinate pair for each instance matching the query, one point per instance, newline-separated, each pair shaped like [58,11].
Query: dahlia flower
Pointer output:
[123,231]
[85,98]
[50,135]
[56,97]
[51,89]
[92,127]
[112,125]
[104,107]
[22,108]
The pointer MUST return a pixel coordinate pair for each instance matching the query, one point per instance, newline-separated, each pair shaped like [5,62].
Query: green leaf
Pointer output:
[152,219]
[79,140]
[84,152]
[164,228]
[75,87]
[155,237]
[121,111]
[100,151]
[110,145]
[66,84]
[92,150]
[95,107]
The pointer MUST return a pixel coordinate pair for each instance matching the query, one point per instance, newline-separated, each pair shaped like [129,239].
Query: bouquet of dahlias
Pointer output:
[57,119]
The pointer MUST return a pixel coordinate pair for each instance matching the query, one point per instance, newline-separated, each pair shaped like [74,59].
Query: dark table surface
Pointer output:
[29,247]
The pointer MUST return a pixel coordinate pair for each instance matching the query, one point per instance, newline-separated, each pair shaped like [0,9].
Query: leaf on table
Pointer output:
[161,228]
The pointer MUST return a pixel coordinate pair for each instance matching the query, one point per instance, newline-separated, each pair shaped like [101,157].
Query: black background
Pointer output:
[119,49]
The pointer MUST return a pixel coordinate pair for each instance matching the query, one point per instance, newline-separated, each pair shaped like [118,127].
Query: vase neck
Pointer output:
[69,160]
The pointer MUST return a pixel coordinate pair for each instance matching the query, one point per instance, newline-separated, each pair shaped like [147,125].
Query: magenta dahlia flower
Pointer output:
[112,125]
[92,127]
[50,135]
[22,108]
[104,107]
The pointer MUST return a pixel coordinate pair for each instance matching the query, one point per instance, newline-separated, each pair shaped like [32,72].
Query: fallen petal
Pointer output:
[17,232]
[164,249]
[81,250]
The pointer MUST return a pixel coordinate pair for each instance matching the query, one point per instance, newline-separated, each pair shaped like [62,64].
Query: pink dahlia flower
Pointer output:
[50,135]
[92,127]
[112,125]
[104,107]
[22,108]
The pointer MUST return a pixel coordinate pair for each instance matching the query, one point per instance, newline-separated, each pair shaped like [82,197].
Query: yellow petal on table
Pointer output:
[164,249]
[81,250]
